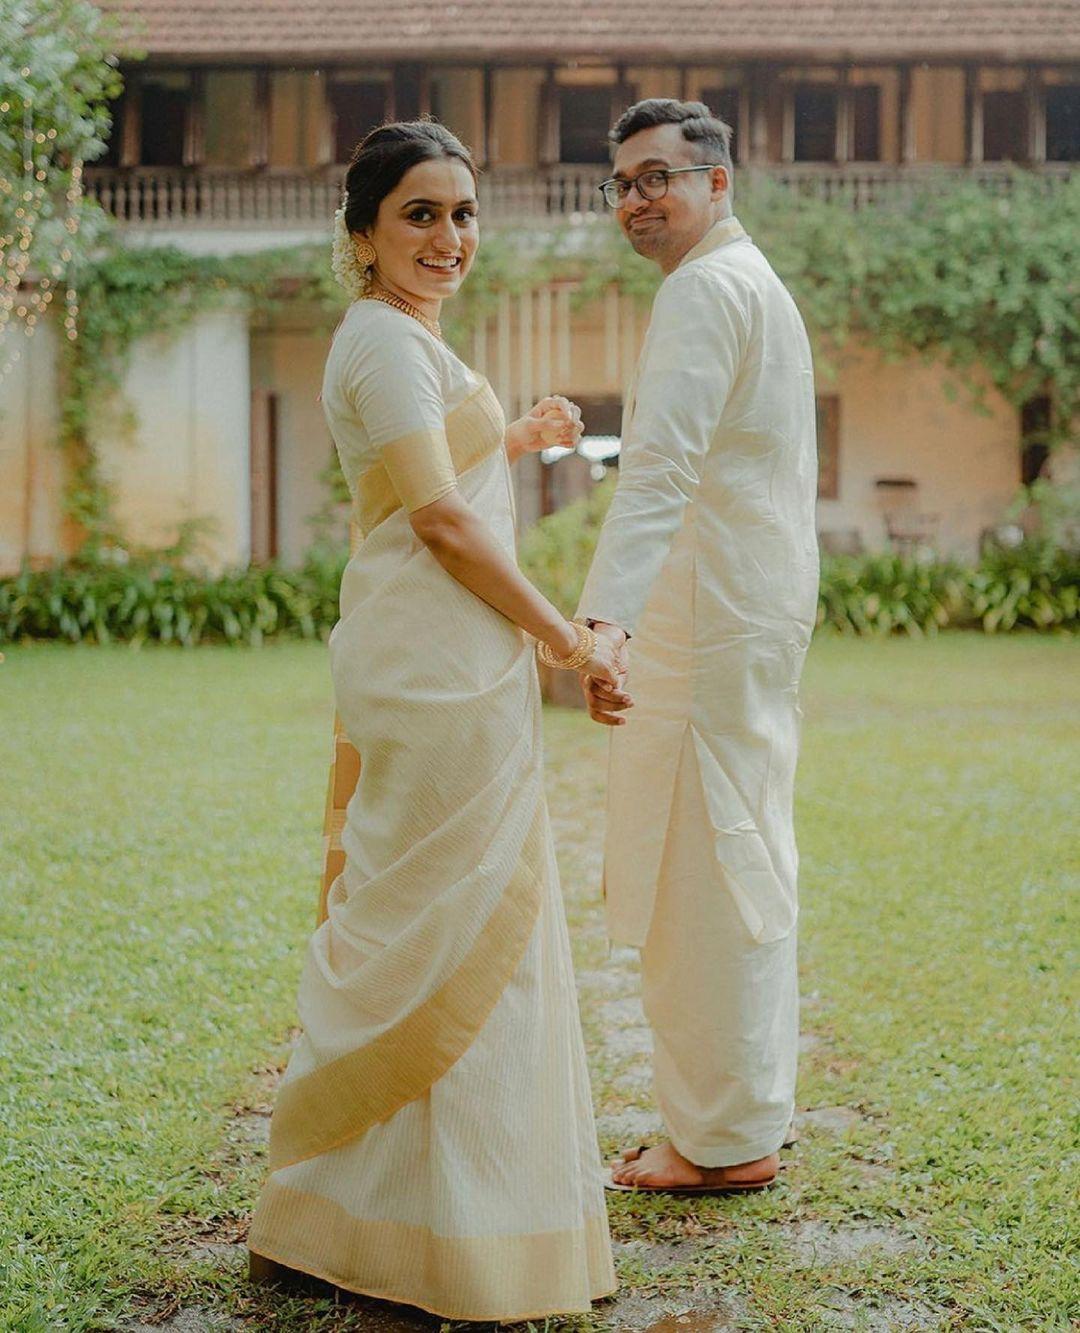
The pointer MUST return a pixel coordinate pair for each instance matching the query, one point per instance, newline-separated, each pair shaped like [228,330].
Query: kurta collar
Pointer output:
[722,232]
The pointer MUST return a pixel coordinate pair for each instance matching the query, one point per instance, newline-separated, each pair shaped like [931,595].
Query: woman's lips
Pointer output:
[430,266]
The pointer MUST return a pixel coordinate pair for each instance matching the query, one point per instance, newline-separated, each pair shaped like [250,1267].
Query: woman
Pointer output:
[433,1140]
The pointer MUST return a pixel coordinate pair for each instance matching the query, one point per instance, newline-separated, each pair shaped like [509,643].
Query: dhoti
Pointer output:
[723,1008]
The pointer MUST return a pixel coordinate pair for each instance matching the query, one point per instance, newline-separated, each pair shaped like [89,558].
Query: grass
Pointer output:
[158,858]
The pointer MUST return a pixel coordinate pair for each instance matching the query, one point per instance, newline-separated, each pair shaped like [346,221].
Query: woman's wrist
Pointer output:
[582,653]
[562,638]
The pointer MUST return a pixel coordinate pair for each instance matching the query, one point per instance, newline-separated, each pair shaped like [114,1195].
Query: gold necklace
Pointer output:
[407,308]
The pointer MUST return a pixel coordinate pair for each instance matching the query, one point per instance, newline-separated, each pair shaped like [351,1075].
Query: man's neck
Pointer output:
[669,266]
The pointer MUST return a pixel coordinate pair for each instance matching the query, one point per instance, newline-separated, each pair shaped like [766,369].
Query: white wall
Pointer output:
[186,454]
[896,420]
[32,525]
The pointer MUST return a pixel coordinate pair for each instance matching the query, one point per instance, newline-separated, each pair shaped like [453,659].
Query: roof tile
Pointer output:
[694,30]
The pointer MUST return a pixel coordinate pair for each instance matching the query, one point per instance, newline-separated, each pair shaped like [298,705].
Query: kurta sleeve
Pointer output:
[393,381]
[698,335]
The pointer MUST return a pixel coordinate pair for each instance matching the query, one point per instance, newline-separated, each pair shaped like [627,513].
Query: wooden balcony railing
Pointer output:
[160,197]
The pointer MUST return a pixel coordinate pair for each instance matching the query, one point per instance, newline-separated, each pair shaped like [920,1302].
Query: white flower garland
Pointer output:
[354,279]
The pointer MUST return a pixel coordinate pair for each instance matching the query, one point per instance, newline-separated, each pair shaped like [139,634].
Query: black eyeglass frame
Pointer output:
[631,184]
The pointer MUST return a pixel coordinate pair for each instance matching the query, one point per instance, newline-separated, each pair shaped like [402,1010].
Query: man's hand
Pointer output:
[605,702]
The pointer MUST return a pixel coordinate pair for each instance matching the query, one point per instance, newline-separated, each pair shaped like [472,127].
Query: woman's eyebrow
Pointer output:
[436,203]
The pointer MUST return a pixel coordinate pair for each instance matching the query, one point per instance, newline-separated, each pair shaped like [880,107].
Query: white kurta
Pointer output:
[708,557]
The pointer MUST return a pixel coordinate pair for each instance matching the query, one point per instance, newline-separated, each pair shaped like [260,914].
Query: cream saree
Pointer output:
[433,1140]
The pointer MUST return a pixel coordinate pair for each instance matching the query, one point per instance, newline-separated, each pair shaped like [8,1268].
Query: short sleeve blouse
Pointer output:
[388,386]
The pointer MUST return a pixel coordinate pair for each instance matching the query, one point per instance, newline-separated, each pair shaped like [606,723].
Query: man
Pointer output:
[706,569]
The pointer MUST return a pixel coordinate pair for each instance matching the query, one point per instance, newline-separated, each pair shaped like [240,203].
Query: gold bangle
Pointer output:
[574,661]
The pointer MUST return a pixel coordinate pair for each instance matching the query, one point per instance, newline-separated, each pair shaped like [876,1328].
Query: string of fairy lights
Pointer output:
[24,295]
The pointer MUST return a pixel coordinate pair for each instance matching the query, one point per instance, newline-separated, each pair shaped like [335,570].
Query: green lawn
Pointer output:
[158,854]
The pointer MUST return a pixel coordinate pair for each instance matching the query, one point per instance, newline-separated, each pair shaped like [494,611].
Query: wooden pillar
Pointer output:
[742,128]
[845,115]
[787,137]
[757,147]
[548,147]
[1035,100]
[131,129]
[324,112]
[543,338]
[973,115]
[260,130]
[195,121]
[611,335]
[908,151]
[263,476]
[622,94]
[489,147]
[523,399]
[563,335]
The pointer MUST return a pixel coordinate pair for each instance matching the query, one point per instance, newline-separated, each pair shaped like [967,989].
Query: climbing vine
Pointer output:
[987,283]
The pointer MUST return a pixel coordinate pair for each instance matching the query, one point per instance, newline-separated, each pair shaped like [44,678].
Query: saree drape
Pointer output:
[433,1140]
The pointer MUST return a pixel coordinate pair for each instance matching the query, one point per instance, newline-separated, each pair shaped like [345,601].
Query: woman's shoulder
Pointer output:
[379,327]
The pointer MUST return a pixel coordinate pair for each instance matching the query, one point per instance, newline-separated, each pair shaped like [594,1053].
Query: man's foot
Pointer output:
[663,1168]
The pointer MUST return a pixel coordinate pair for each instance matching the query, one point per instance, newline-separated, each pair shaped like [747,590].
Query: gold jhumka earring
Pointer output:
[365,253]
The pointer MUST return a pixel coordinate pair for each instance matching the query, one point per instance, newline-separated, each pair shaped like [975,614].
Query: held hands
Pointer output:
[604,693]
[554,420]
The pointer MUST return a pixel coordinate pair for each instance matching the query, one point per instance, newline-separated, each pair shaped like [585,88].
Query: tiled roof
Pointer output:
[652,30]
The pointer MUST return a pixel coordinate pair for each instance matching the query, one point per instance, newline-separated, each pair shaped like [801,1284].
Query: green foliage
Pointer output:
[988,283]
[163,603]
[57,74]
[56,55]
[555,552]
[887,593]
[1032,586]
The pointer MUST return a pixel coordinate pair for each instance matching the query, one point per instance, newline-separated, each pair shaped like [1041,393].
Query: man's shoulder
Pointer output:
[705,285]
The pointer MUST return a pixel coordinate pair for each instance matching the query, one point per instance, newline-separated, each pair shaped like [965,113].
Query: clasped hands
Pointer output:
[556,421]
[553,421]
[607,702]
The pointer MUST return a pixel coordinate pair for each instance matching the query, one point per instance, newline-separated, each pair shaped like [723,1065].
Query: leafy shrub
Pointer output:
[555,552]
[1033,586]
[165,603]
[886,593]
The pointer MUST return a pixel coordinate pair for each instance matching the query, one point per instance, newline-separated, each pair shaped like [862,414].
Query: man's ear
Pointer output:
[720,182]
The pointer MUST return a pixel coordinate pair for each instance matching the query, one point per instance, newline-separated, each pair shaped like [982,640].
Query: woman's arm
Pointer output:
[463,544]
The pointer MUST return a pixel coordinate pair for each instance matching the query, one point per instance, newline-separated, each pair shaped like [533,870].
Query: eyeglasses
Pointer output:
[652,184]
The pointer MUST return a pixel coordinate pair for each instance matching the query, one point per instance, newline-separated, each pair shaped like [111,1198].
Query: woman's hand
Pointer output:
[554,422]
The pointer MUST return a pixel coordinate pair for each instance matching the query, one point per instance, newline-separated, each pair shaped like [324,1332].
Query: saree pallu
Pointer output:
[433,1140]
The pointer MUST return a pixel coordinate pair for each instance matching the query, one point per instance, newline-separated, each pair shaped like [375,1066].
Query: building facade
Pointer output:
[233,133]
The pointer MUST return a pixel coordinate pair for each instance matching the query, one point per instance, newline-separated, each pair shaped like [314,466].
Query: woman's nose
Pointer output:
[447,236]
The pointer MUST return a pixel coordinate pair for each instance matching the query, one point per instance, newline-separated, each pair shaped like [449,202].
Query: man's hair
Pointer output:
[698,124]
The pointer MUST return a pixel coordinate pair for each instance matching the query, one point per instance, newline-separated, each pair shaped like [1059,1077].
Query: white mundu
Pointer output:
[708,558]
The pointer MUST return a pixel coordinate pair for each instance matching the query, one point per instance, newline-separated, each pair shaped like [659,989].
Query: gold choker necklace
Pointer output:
[407,308]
